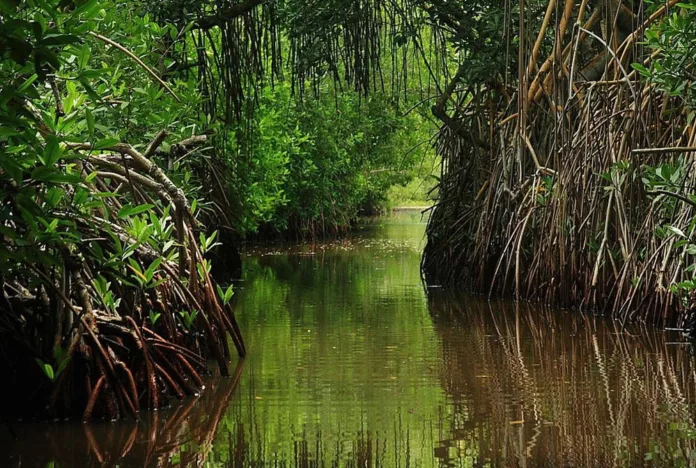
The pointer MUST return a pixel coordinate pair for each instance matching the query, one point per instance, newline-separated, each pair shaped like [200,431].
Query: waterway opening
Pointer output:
[352,362]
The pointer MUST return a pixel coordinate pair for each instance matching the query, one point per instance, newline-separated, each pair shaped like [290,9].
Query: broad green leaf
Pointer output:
[130,210]
[55,176]
[59,39]
[676,231]
[83,57]
[105,143]
[89,117]
[52,151]
[150,272]
[28,82]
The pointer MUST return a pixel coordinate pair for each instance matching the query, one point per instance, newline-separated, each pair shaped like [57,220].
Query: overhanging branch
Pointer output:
[226,14]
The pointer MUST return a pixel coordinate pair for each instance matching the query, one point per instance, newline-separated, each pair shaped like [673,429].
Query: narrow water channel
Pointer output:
[353,363]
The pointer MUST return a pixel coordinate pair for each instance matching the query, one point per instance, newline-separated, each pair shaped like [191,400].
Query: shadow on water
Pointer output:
[181,436]
[352,364]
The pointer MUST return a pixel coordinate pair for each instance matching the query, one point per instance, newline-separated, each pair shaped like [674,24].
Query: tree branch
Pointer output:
[137,60]
[678,196]
[226,14]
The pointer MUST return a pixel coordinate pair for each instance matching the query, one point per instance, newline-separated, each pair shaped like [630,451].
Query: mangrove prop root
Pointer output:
[93,398]
[555,207]
[115,359]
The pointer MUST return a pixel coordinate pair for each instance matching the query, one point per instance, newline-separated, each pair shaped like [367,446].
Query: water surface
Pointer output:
[352,363]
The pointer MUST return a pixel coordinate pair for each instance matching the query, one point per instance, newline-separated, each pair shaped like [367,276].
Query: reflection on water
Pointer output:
[352,364]
[178,436]
[530,386]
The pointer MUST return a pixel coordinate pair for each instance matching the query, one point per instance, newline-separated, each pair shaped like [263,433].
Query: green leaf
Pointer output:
[130,210]
[45,56]
[54,176]
[150,272]
[52,151]
[135,266]
[105,143]
[93,73]
[49,120]
[53,196]
[89,117]
[225,296]
[81,196]
[83,57]
[88,9]
[59,39]
[641,69]
[11,167]
[676,231]
[158,282]
[8,6]
[29,81]
[90,91]
[46,368]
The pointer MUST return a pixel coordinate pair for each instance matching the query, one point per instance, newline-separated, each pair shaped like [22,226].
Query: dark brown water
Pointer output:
[353,364]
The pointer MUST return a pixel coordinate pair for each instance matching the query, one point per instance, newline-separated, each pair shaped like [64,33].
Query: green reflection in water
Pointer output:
[343,364]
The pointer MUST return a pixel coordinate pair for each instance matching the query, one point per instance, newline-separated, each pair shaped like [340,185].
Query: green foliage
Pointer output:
[96,107]
[154,317]
[287,159]
[225,294]
[82,225]
[47,369]
[664,182]
[674,38]
[316,163]
[61,360]
[477,31]
[74,89]
[188,318]
[33,169]
[418,191]
[207,243]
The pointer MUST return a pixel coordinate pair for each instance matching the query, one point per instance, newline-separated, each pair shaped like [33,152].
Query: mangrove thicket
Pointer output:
[142,142]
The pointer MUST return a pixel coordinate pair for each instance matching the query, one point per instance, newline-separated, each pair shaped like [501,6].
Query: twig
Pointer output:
[155,143]
[673,195]
[138,61]
[674,149]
